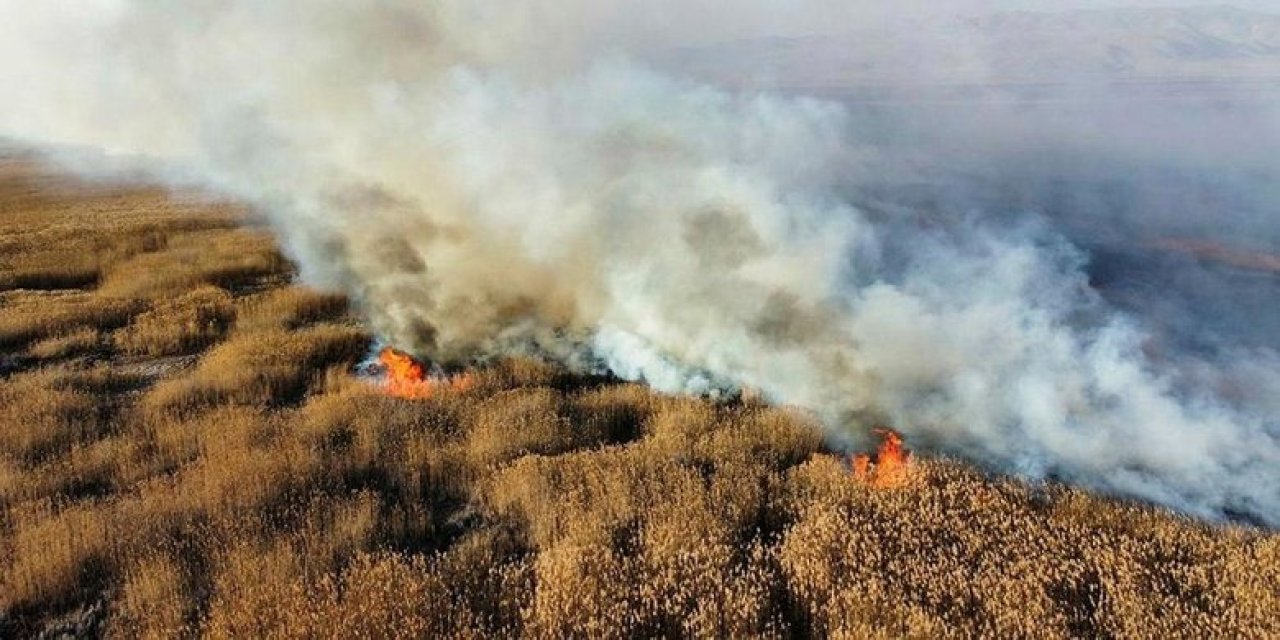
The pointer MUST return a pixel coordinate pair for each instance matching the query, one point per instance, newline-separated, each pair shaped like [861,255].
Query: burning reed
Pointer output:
[406,377]
[892,464]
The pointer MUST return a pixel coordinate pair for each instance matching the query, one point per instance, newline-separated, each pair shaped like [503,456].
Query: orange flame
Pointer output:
[892,462]
[407,378]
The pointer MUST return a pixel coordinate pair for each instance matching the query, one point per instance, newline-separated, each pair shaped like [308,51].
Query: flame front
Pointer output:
[892,462]
[407,378]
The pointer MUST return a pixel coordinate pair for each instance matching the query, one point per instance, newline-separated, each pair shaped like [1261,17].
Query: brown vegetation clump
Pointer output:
[186,323]
[29,318]
[192,455]
[289,308]
[227,258]
[41,415]
[258,369]
[76,342]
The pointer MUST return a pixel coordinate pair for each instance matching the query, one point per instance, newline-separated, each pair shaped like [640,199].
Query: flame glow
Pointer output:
[892,462]
[407,378]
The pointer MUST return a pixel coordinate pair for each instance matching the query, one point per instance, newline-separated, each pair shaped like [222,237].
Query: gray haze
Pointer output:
[1037,241]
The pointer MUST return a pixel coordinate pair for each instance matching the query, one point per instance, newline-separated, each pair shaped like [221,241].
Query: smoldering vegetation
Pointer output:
[196,458]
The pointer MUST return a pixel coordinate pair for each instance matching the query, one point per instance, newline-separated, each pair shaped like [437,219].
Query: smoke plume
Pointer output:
[486,177]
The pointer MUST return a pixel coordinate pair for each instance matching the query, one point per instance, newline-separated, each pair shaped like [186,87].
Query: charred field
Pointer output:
[186,450]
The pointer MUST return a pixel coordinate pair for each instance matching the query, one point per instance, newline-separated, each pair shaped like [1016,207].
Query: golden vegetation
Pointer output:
[188,322]
[189,454]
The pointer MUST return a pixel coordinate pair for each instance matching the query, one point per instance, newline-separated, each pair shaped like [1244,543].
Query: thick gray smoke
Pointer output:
[483,178]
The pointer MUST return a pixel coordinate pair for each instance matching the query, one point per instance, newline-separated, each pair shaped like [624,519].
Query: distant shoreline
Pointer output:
[1239,91]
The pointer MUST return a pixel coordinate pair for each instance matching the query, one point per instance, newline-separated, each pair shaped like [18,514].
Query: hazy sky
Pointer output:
[1059,5]
[659,22]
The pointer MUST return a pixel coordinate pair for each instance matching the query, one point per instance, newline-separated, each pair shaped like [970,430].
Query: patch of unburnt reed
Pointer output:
[289,308]
[82,341]
[261,369]
[184,324]
[29,317]
[226,258]
[41,416]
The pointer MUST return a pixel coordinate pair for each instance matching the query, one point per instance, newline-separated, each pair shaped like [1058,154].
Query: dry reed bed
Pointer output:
[260,489]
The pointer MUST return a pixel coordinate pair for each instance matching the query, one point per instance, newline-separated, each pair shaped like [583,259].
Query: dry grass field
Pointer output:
[187,451]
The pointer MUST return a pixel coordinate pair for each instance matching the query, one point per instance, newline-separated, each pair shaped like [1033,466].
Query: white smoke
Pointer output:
[482,179]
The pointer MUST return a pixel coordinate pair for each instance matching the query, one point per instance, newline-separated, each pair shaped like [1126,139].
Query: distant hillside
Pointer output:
[1213,44]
